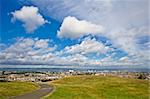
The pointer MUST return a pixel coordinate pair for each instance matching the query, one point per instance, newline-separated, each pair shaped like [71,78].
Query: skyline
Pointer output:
[69,33]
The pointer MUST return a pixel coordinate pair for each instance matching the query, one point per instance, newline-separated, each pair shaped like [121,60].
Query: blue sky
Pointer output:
[69,33]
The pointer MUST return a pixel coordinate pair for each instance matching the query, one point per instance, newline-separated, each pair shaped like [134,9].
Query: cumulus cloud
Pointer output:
[73,28]
[124,39]
[26,50]
[111,13]
[38,51]
[42,43]
[114,15]
[30,17]
[128,39]
[124,23]
[88,46]
[31,51]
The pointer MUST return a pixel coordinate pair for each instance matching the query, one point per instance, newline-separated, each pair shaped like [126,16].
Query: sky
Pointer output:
[75,32]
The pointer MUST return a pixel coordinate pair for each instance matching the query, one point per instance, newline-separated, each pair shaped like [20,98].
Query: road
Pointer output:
[38,94]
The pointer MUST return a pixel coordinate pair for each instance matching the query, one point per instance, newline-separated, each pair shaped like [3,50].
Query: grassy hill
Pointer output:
[97,87]
[10,89]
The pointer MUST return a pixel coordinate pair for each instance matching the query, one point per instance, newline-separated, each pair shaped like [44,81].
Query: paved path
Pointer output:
[38,94]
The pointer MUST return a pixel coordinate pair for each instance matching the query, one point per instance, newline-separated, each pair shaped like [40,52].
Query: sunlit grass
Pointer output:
[98,87]
[10,89]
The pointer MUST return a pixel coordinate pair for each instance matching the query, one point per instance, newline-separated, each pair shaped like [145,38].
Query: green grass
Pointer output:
[10,89]
[98,87]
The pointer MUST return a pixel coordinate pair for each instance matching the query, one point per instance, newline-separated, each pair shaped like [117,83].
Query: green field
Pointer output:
[97,87]
[10,89]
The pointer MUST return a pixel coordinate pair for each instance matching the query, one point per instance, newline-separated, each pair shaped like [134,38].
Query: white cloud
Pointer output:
[127,39]
[30,17]
[114,15]
[74,60]
[73,28]
[28,49]
[87,46]
[124,39]
[124,23]
[111,13]
[125,58]
[123,20]
[42,43]
[31,51]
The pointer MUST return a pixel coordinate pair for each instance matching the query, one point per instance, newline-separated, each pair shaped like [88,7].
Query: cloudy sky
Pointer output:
[75,32]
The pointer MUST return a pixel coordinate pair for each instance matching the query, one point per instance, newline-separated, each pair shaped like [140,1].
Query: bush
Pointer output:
[142,76]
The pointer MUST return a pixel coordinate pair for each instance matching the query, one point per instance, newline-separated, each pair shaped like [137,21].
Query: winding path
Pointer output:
[38,94]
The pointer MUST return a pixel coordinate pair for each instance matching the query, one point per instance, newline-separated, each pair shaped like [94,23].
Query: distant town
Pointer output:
[34,76]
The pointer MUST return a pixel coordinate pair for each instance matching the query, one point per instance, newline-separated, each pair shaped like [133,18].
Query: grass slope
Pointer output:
[97,87]
[10,89]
